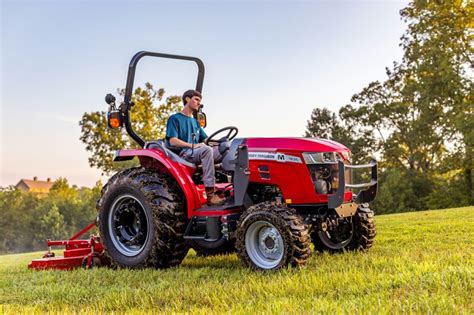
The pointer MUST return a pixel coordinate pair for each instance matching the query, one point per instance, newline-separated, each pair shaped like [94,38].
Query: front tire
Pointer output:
[141,219]
[271,237]
[364,229]
[355,233]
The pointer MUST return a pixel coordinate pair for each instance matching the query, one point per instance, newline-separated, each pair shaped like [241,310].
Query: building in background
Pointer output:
[35,185]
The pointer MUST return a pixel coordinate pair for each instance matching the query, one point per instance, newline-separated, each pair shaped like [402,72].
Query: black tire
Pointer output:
[141,218]
[220,247]
[357,233]
[293,233]
[364,229]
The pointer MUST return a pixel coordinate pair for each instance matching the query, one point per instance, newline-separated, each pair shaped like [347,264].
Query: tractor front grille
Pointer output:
[324,171]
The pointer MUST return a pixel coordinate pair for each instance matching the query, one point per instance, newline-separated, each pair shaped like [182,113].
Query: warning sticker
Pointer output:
[269,156]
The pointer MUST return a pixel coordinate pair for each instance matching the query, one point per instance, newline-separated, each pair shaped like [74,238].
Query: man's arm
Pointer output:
[176,142]
[202,135]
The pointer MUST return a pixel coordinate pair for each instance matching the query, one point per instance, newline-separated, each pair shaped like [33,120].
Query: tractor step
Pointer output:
[210,228]
[197,228]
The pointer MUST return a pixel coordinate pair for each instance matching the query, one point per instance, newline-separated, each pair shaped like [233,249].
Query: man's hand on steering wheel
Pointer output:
[232,132]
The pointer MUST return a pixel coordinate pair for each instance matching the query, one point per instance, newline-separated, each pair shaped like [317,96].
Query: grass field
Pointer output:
[422,262]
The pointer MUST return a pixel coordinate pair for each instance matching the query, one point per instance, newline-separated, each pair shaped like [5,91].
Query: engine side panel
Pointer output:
[286,168]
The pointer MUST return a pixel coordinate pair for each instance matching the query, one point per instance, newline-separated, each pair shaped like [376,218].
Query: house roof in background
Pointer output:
[36,184]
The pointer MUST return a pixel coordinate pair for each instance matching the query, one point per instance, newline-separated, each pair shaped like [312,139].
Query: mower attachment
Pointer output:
[85,253]
[336,200]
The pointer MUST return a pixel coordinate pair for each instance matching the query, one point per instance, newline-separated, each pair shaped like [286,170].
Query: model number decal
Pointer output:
[279,157]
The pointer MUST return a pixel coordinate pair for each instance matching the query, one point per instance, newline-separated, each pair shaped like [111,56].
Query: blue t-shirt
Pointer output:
[182,127]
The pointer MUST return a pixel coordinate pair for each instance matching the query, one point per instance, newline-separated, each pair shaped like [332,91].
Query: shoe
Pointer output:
[212,198]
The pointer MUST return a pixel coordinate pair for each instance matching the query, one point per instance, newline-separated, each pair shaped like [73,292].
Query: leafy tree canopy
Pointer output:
[420,120]
[326,124]
[28,218]
[148,117]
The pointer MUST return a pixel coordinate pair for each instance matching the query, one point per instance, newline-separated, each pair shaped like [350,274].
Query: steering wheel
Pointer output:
[233,131]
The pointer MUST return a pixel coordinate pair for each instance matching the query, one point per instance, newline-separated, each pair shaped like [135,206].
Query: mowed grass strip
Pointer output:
[422,262]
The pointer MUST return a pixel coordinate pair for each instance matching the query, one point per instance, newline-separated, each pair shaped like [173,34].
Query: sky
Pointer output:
[268,65]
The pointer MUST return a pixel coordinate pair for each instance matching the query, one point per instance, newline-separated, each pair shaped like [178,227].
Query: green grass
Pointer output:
[422,262]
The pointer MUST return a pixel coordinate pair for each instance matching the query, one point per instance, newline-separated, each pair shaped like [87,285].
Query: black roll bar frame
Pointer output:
[127,103]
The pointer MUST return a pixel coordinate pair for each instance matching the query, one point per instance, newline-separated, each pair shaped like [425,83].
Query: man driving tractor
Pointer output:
[184,133]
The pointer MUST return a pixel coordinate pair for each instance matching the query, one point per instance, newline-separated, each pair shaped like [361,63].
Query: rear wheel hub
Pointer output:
[128,225]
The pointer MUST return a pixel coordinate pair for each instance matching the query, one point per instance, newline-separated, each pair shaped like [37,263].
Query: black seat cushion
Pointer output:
[161,145]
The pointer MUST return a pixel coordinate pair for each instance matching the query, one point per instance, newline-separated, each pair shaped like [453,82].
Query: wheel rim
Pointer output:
[264,244]
[339,237]
[128,225]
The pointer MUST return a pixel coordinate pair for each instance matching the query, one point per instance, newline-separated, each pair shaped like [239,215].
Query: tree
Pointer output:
[326,124]
[51,225]
[408,133]
[323,124]
[28,219]
[148,120]
[421,118]
[18,219]
[87,206]
[423,112]
[439,52]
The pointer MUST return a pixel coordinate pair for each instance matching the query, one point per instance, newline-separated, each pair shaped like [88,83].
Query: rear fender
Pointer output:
[155,159]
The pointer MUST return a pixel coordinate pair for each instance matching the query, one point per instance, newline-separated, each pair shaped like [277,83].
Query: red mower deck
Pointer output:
[77,253]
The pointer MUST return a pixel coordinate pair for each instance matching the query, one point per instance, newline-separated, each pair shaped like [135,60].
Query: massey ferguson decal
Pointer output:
[269,156]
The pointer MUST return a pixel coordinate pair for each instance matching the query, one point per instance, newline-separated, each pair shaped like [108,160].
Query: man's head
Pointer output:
[192,98]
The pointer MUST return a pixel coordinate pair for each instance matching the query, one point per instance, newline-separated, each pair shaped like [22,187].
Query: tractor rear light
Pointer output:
[201,118]
[202,123]
[114,119]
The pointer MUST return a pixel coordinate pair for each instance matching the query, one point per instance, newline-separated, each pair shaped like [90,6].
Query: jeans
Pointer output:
[206,156]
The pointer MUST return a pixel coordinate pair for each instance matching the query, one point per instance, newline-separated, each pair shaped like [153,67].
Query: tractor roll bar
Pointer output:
[131,77]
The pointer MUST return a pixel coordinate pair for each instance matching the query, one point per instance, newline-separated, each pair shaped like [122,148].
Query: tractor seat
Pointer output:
[161,145]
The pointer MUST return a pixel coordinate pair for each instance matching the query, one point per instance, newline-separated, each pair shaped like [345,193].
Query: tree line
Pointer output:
[28,219]
[419,122]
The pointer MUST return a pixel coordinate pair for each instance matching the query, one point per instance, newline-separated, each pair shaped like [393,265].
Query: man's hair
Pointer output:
[190,94]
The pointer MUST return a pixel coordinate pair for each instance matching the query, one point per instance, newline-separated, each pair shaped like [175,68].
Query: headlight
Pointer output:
[324,170]
[319,157]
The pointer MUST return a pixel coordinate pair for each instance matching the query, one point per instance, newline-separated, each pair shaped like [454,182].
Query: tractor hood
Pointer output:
[295,144]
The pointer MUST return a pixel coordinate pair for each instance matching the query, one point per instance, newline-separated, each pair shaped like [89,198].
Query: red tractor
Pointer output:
[281,195]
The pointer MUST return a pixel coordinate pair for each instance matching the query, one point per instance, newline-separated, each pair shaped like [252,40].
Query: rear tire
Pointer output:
[271,237]
[141,219]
